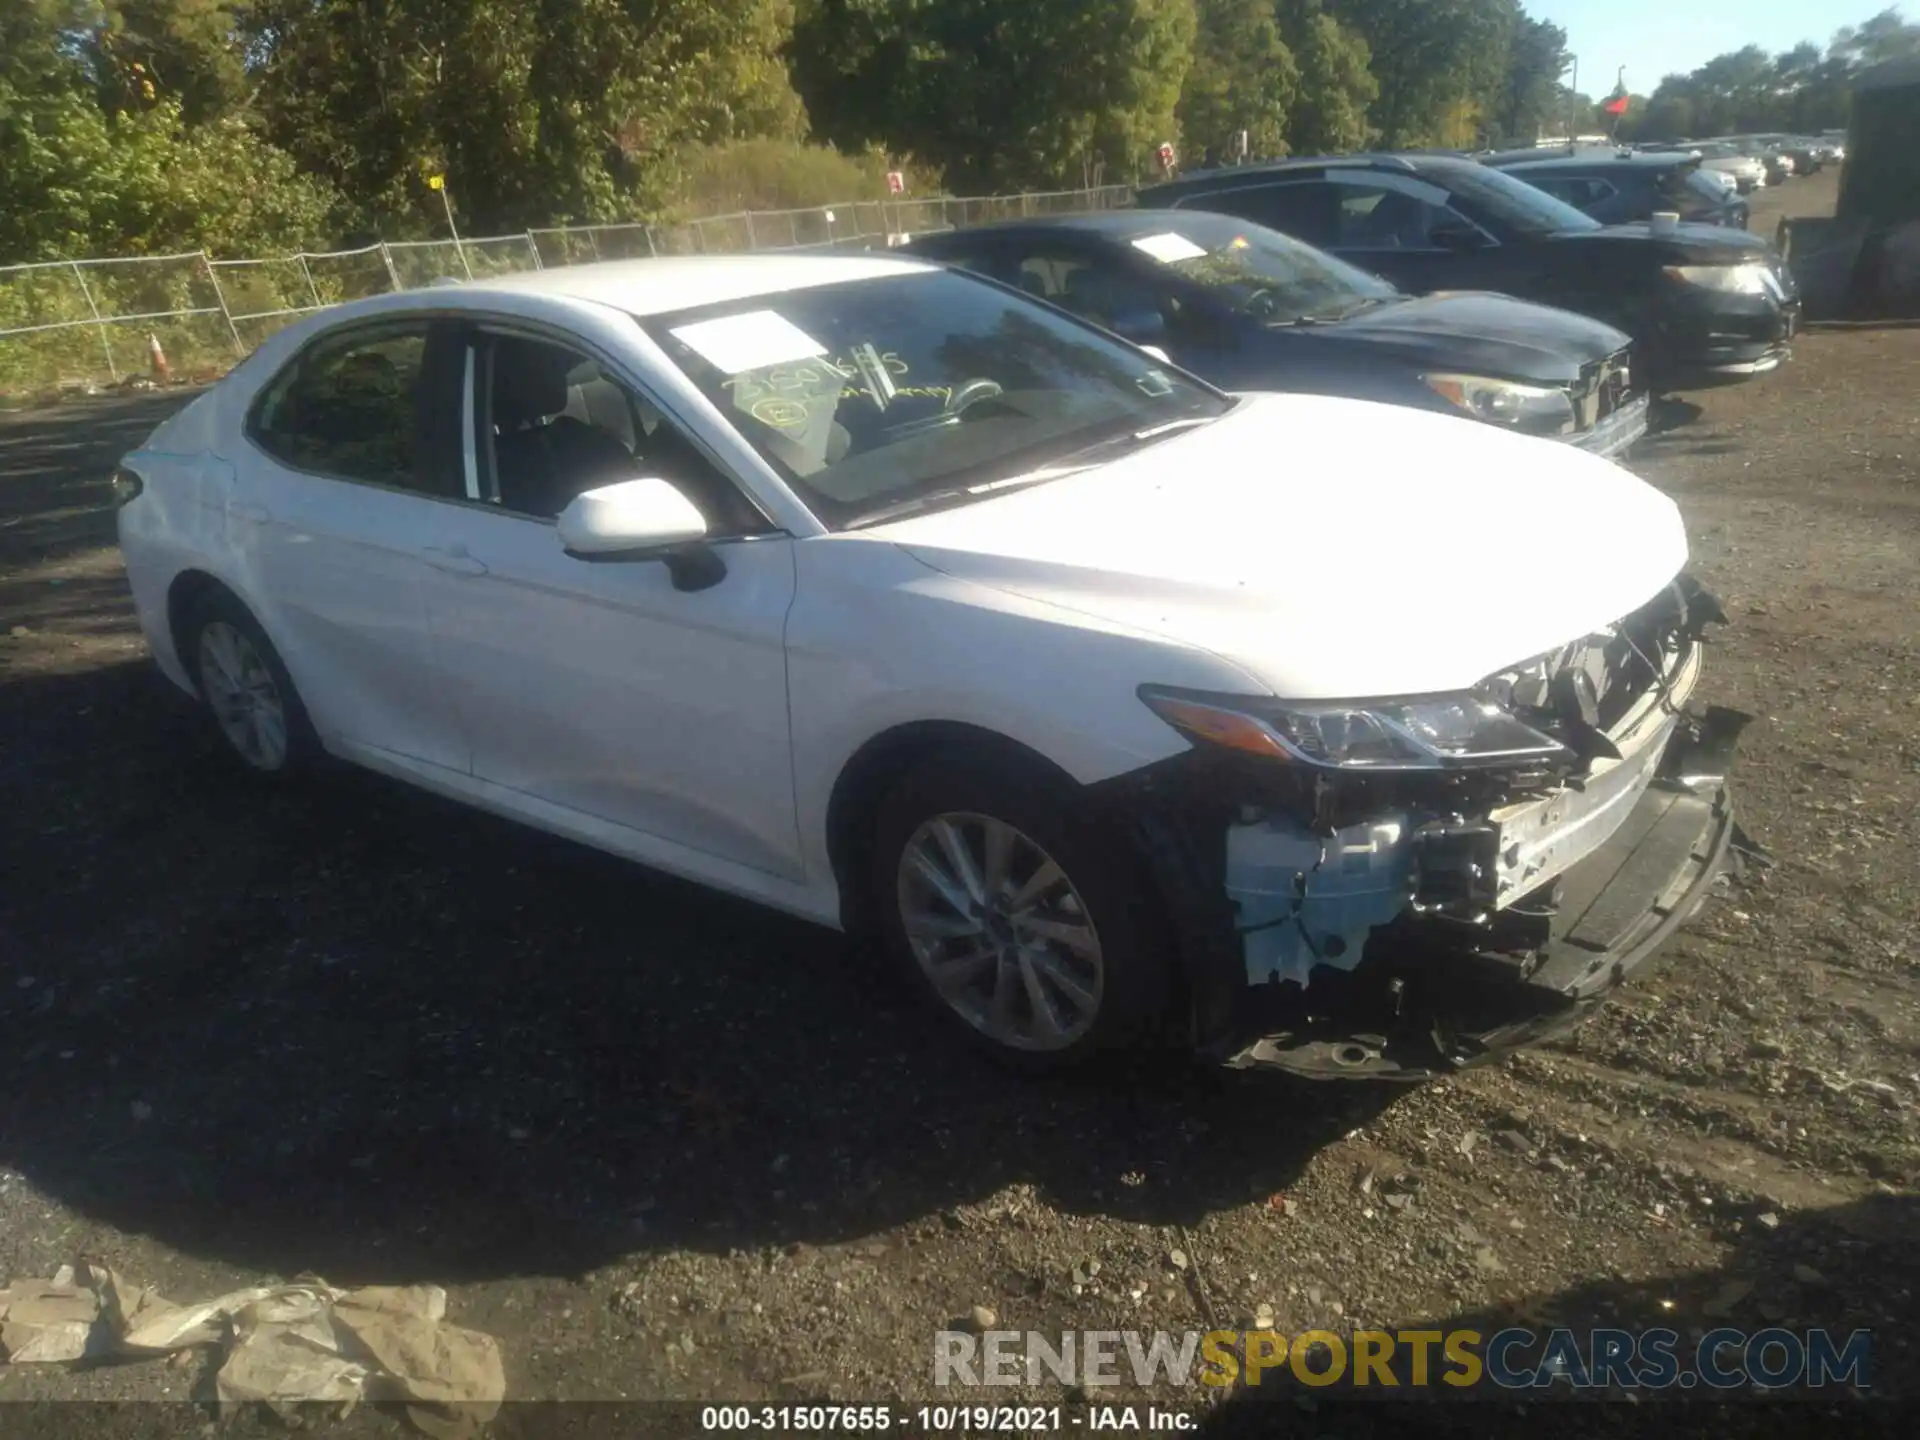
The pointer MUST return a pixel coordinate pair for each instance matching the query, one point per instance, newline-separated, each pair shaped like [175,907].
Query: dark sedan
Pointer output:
[1619,188]
[1251,309]
[1704,304]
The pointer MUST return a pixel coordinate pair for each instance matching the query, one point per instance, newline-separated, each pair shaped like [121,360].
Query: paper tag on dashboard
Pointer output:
[1169,247]
[752,341]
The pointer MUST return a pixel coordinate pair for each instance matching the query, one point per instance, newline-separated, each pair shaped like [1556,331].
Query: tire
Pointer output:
[255,709]
[1094,982]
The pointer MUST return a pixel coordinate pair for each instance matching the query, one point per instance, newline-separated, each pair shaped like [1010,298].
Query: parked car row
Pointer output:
[1703,304]
[923,596]
[1755,161]
[1619,187]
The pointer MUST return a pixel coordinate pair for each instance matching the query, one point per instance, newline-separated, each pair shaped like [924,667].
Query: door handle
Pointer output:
[454,560]
[239,510]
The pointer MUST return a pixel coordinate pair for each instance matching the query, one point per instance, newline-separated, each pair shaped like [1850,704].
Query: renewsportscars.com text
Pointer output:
[1653,1359]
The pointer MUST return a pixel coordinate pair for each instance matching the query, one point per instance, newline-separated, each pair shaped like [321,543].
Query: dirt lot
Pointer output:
[665,1145]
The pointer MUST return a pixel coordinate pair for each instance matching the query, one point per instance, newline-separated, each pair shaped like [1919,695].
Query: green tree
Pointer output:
[144,51]
[1441,65]
[1530,94]
[1243,78]
[1337,85]
[536,110]
[994,93]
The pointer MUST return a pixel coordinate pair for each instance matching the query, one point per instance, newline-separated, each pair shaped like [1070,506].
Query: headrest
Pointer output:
[529,380]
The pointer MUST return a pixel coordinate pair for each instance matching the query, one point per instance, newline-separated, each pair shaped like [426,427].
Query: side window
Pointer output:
[1383,212]
[1093,288]
[980,262]
[553,424]
[1561,187]
[349,407]
[1306,210]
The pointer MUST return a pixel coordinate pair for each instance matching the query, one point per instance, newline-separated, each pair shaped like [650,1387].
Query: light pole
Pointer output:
[439,183]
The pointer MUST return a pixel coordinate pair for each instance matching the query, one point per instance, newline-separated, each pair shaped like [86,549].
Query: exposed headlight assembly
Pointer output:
[1439,732]
[1530,409]
[1752,278]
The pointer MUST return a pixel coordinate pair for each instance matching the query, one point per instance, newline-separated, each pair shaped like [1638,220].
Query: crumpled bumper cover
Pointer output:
[1610,915]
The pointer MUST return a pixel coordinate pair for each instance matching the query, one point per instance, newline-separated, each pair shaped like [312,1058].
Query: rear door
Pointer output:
[331,514]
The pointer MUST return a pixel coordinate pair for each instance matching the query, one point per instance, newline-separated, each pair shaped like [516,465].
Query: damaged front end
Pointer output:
[1403,889]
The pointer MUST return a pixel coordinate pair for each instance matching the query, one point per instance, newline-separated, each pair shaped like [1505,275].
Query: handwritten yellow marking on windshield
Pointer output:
[781,414]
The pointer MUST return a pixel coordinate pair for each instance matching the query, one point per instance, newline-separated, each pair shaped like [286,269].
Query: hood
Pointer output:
[1484,335]
[1682,245]
[1329,548]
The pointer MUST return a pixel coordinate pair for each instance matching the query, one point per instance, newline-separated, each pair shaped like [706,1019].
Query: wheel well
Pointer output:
[189,589]
[865,780]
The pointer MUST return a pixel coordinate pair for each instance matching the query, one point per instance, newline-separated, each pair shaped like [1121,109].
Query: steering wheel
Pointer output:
[1263,304]
[966,393]
[972,392]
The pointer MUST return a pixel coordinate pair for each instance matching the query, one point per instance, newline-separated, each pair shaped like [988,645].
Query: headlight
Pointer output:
[1747,279]
[1436,733]
[1532,409]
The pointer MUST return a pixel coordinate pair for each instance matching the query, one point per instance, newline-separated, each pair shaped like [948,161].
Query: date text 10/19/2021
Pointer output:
[943,1419]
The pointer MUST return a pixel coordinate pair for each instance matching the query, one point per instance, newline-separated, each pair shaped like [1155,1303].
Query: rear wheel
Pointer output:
[247,689]
[1015,916]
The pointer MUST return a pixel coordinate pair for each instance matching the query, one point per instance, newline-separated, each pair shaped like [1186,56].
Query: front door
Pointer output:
[604,688]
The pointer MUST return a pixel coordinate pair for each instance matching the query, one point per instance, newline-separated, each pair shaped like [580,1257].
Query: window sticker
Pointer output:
[752,341]
[1169,247]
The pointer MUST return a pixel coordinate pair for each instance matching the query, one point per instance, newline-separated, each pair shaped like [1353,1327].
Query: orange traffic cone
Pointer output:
[162,371]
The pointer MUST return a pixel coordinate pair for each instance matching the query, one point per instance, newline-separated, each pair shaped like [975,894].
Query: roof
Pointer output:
[1411,160]
[1656,160]
[1115,224]
[684,282]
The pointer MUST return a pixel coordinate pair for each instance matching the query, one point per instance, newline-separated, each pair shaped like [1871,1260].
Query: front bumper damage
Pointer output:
[1355,929]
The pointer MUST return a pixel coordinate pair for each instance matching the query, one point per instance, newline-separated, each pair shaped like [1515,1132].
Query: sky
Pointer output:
[1654,38]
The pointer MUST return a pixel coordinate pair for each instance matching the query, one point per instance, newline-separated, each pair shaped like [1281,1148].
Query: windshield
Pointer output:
[1259,272]
[1692,184]
[1510,204]
[871,395]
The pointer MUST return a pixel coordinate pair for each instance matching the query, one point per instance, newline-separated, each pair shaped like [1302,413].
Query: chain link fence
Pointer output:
[85,325]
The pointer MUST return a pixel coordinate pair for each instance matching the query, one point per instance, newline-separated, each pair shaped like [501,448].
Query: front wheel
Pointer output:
[1020,921]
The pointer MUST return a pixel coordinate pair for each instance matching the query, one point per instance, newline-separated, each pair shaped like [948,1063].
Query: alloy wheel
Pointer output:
[1000,932]
[243,695]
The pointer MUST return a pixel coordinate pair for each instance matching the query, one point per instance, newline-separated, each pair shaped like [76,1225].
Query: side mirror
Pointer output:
[629,517]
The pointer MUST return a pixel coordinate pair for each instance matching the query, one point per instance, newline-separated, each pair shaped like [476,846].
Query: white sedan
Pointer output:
[1334,736]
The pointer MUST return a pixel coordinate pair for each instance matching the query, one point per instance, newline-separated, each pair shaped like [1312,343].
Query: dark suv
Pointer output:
[1705,304]
[1619,187]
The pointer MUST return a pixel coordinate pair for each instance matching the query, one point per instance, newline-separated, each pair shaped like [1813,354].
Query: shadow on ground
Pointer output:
[356,1030]
[55,468]
[1806,1271]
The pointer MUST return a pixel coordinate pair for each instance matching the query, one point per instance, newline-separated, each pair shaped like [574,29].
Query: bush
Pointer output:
[770,175]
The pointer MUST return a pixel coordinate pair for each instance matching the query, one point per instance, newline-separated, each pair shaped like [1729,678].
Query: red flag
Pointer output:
[1616,103]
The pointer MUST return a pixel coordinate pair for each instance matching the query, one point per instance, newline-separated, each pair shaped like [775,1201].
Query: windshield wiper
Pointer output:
[956,495]
[1368,302]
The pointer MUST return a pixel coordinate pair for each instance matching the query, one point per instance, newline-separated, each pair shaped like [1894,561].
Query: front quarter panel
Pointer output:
[878,640]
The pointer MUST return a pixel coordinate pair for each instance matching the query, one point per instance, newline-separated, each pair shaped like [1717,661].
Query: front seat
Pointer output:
[544,457]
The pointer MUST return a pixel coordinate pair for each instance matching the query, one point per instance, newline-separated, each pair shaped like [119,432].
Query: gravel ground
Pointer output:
[665,1145]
